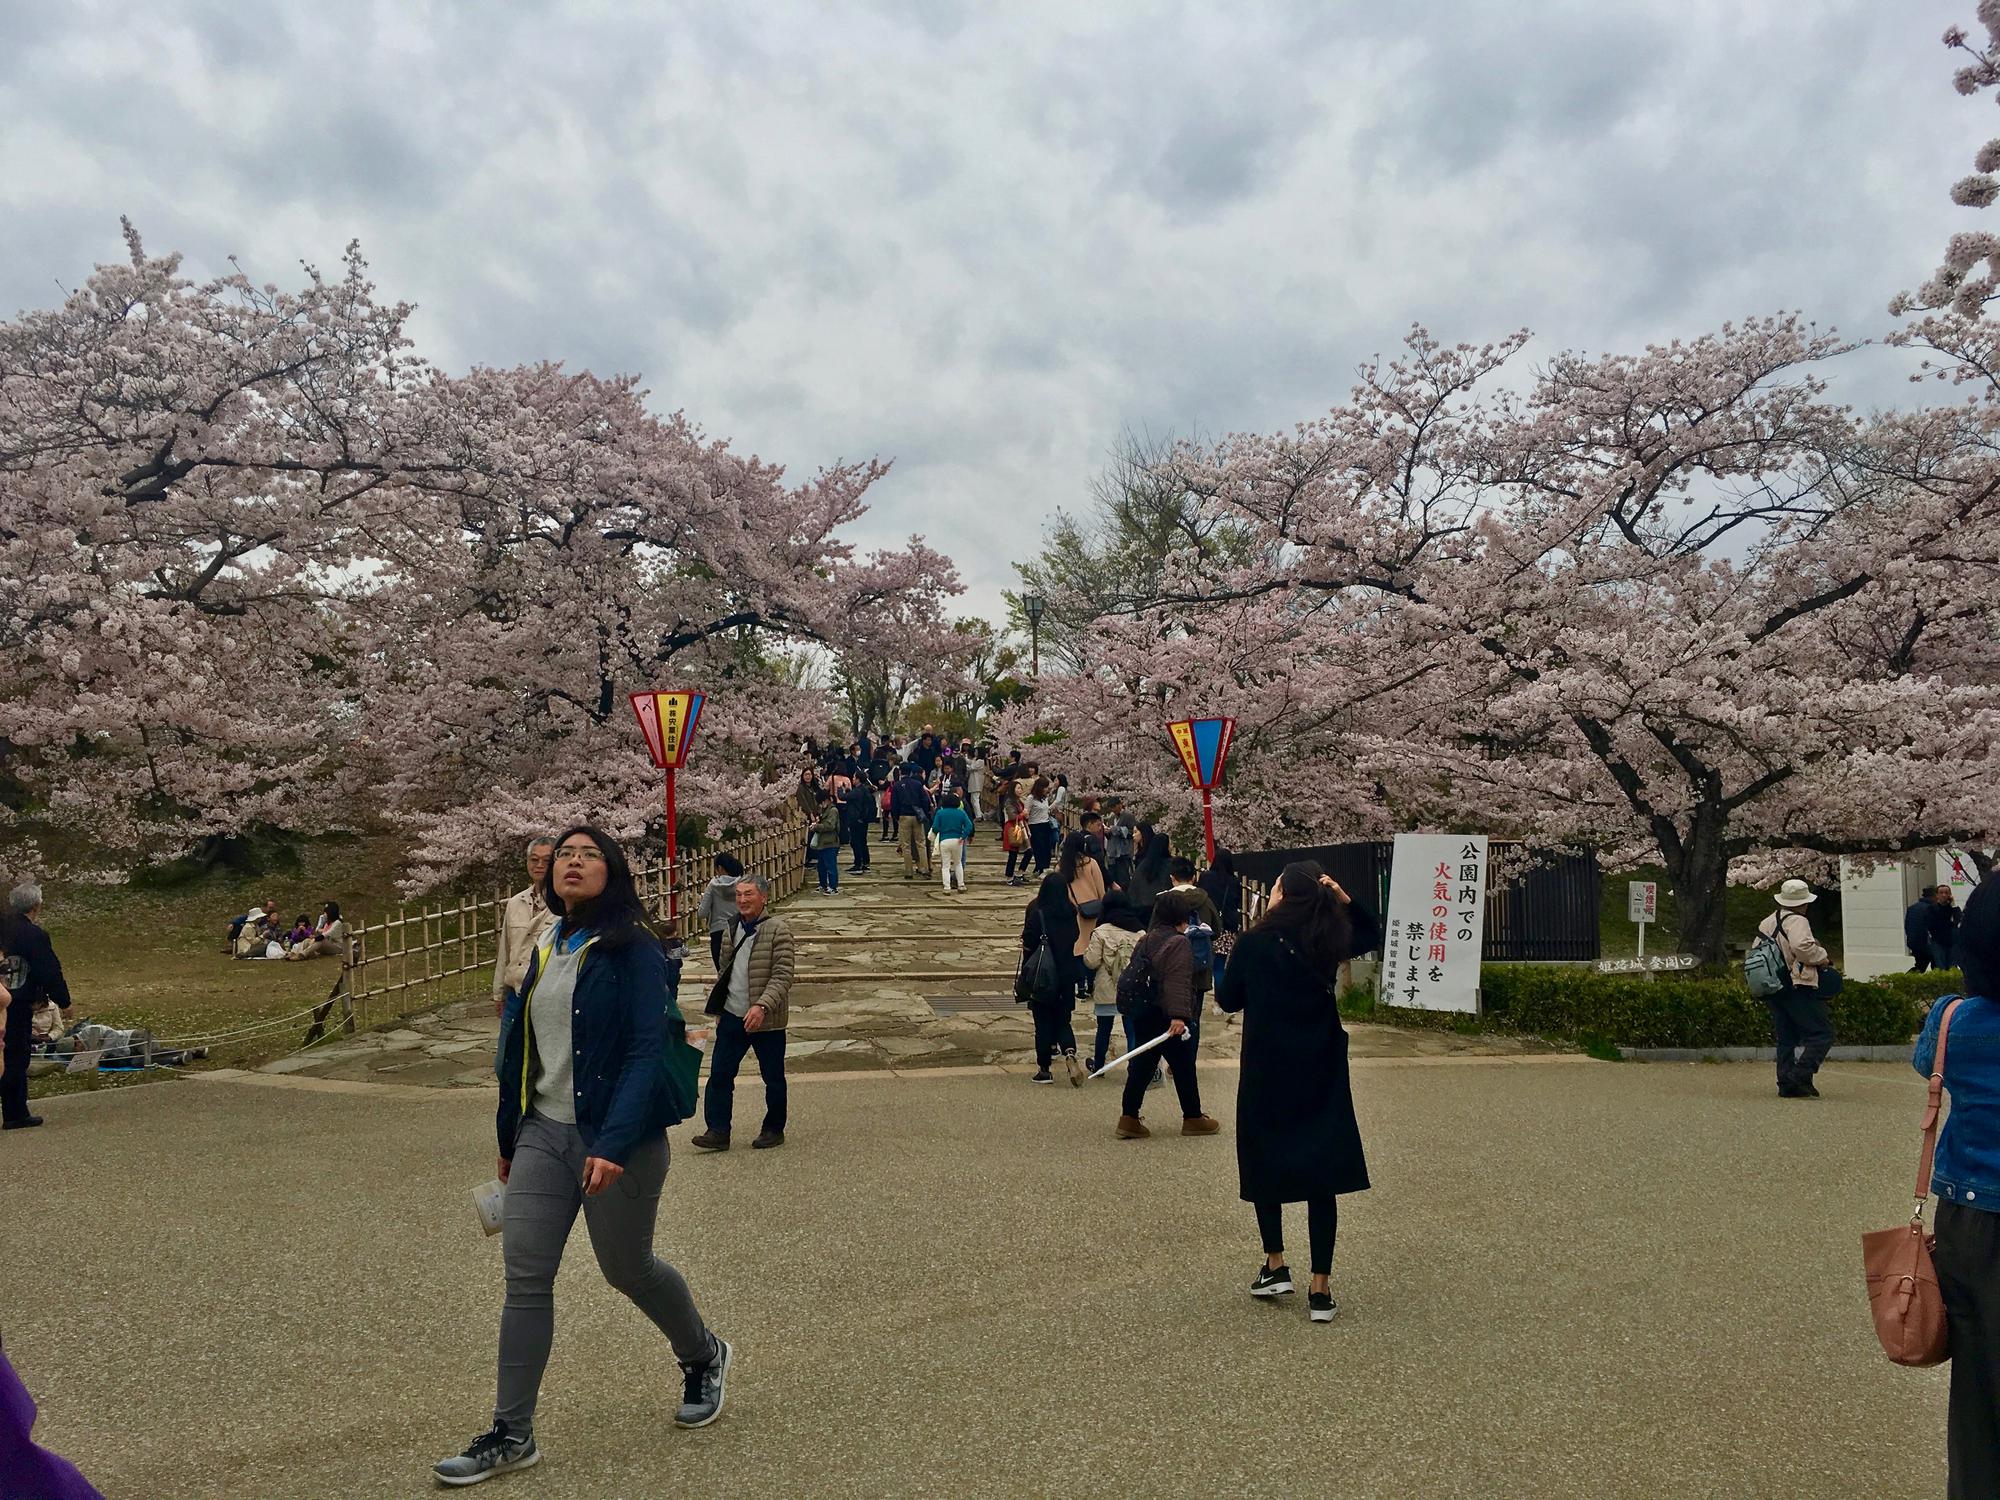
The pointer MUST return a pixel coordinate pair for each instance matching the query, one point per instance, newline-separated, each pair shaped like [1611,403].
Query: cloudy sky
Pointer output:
[983,240]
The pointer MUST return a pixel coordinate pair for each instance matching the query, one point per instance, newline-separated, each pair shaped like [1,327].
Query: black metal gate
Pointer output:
[1547,915]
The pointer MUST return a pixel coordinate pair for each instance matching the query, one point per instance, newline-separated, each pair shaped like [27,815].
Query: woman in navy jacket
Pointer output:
[1966,1179]
[585,1098]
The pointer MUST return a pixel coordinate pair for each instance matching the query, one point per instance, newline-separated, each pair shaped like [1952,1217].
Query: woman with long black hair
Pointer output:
[1225,889]
[1152,861]
[1297,1140]
[1053,914]
[592,1065]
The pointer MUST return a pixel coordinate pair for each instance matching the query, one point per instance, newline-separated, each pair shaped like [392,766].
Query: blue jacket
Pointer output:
[1917,930]
[616,1030]
[952,823]
[1967,1169]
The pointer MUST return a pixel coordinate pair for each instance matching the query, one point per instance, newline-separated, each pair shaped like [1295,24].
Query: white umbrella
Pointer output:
[1165,1036]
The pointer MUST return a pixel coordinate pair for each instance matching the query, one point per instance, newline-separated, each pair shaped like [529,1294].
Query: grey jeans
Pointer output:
[544,1192]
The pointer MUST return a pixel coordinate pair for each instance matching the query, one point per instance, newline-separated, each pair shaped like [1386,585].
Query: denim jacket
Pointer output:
[1967,1169]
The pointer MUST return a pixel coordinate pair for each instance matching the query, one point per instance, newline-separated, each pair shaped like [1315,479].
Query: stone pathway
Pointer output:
[893,974]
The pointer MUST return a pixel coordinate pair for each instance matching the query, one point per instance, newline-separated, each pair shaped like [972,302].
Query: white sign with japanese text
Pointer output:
[1436,926]
[1642,900]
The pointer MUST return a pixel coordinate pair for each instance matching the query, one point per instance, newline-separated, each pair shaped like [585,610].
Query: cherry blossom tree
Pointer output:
[183,469]
[1676,605]
[260,566]
[1969,277]
[584,549]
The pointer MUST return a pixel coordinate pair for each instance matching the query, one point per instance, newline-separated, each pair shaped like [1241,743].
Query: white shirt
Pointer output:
[738,1002]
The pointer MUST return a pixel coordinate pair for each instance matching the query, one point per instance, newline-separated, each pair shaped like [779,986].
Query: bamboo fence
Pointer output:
[430,954]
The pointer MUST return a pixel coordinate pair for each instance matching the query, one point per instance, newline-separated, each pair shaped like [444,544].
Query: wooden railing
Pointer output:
[431,954]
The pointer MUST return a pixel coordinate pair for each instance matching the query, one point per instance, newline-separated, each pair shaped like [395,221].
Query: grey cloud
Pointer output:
[984,240]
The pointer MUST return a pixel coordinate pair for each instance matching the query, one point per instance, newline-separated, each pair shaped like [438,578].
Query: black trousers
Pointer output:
[1148,1024]
[1322,1224]
[1053,1032]
[1968,1270]
[857,840]
[1804,1031]
[1042,841]
[732,1040]
[1923,961]
[14,1053]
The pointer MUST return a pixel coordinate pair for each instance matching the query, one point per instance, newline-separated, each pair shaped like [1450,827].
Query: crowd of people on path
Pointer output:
[262,933]
[929,797]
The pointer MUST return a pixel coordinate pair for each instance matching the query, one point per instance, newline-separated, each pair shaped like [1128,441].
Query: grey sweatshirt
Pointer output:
[718,903]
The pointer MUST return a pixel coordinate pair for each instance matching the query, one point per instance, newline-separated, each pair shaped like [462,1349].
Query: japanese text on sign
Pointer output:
[1436,926]
[1642,900]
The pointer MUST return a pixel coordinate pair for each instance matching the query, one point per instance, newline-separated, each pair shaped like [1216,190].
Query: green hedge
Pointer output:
[1598,1011]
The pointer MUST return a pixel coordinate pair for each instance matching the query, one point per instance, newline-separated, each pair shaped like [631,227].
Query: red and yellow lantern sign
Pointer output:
[668,722]
[1203,746]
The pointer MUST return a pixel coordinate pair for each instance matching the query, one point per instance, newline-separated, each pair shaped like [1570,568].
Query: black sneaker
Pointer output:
[495,1452]
[1270,1283]
[1321,1304]
[701,1396]
[1806,1089]
[1042,1077]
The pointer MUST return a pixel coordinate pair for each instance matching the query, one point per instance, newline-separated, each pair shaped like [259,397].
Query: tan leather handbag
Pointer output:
[1903,1290]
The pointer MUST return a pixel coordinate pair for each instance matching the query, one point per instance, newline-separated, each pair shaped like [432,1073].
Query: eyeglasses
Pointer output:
[581,856]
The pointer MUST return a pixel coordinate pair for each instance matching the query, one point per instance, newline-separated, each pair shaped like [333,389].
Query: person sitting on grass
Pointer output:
[259,933]
[329,936]
[249,919]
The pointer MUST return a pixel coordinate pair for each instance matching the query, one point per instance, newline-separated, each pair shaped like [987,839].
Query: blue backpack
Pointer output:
[1201,938]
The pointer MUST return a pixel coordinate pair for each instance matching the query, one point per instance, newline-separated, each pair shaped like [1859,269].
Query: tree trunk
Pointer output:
[1701,886]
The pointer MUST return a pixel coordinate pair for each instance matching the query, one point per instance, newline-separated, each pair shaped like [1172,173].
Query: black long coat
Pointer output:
[1296,1135]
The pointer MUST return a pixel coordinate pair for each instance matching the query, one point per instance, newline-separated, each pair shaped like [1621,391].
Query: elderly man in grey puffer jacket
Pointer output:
[751,1002]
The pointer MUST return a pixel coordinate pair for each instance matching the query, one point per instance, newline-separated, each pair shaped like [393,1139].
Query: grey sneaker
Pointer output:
[701,1398]
[495,1452]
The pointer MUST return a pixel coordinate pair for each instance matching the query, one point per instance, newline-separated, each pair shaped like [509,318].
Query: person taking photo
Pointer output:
[1297,1140]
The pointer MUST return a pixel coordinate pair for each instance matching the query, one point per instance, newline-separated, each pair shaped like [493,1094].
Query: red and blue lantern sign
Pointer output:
[668,721]
[1203,746]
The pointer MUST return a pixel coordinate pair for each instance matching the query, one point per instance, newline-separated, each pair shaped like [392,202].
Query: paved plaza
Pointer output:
[1572,1279]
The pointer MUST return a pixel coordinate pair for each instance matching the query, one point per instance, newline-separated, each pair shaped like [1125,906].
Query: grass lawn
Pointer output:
[152,957]
[1748,905]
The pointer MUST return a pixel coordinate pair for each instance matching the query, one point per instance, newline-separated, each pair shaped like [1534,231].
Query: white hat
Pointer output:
[1795,893]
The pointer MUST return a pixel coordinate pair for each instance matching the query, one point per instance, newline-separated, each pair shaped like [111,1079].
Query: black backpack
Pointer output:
[1138,986]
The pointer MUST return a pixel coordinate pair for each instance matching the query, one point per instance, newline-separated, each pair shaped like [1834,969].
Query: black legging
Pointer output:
[1322,1224]
[1053,1032]
[1042,839]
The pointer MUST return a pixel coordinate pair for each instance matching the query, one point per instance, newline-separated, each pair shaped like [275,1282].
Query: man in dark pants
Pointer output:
[1917,930]
[1944,927]
[31,970]
[858,812]
[751,1002]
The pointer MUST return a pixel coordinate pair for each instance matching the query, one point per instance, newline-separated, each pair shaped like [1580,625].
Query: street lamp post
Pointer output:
[1034,606]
